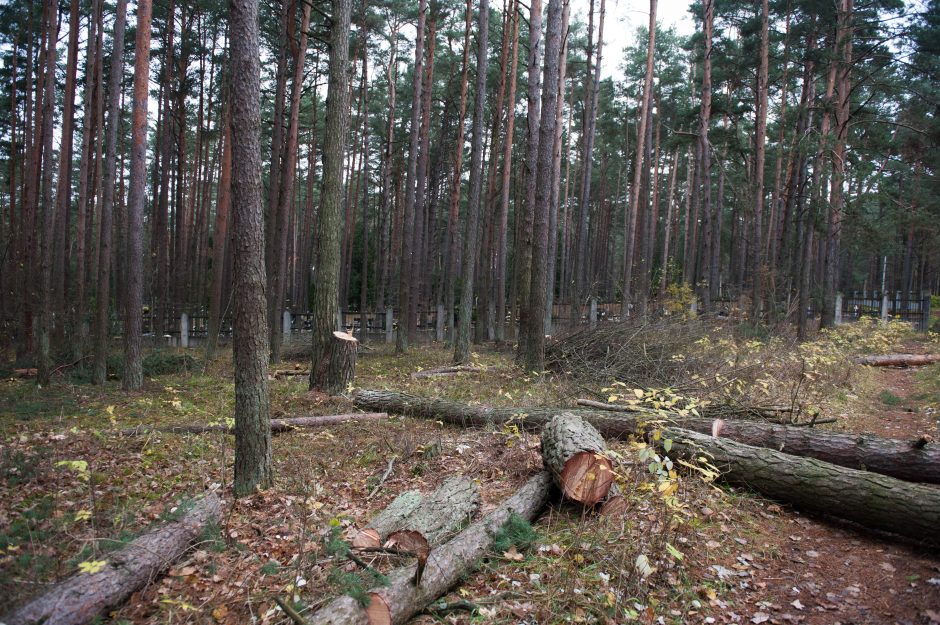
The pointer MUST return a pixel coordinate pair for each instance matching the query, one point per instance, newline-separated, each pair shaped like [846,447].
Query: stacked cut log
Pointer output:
[898,360]
[873,500]
[402,598]
[572,449]
[414,523]
[85,596]
[912,460]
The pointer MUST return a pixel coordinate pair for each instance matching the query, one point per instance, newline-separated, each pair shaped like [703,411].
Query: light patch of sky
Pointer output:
[622,20]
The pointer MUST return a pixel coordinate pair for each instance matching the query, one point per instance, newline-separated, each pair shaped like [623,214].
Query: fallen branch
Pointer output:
[898,360]
[446,371]
[401,598]
[278,426]
[84,596]
[901,459]
[874,501]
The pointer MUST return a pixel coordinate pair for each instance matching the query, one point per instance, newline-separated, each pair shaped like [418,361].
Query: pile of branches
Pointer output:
[664,352]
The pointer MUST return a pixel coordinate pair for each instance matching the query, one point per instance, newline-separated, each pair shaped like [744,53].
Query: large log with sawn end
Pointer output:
[875,501]
[572,450]
[916,460]
[438,516]
[402,598]
[84,596]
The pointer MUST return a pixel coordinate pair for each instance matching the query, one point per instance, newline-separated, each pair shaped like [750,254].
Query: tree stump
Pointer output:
[439,515]
[387,521]
[571,450]
[342,367]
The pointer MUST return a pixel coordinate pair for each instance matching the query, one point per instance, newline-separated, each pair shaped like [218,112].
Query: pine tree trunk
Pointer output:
[48,207]
[103,296]
[221,234]
[341,370]
[757,238]
[252,409]
[326,293]
[471,232]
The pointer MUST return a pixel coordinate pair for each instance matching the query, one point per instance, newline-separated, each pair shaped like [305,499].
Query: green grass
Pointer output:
[889,399]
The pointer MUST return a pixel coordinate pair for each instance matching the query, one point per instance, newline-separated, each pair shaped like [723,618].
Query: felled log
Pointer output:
[401,598]
[572,450]
[286,373]
[342,367]
[31,372]
[907,460]
[437,517]
[874,501]
[387,521]
[446,371]
[278,426]
[898,360]
[84,596]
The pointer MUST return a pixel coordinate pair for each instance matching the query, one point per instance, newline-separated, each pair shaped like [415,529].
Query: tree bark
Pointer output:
[572,450]
[326,294]
[438,516]
[252,408]
[133,365]
[471,233]
[221,234]
[103,296]
[401,599]
[341,370]
[390,519]
[633,209]
[405,277]
[901,459]
[874,501]
[84,596]
[757,238]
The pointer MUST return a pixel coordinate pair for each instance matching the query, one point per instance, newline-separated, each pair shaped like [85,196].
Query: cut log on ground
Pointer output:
[402,599]
[907,460]
[278,426]
[84,596]
[572,450]
[875,501]
[342,367]
[446,371]
[387,521]
[439,516]
[898,360]
[287,373]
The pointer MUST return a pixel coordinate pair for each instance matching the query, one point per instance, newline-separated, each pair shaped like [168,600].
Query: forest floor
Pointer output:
[722,555]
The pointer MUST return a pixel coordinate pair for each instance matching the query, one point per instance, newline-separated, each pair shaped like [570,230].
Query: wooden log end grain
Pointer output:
[573,450]
[378,612]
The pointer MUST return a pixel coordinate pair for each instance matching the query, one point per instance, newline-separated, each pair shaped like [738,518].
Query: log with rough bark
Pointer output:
[874,501]
[572,449]
[278,426]
[387,521]
[913,460]
[898,360]
[446,371]
[84,596]
[401,598]
[438,516]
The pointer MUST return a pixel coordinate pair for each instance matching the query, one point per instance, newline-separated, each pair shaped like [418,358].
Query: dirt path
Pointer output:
[810,571]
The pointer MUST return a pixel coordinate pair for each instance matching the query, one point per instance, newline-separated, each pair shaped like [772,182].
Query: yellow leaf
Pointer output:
[612,398]
[638,392]
[82,515]
[219,613]
[513,554]
[91,566]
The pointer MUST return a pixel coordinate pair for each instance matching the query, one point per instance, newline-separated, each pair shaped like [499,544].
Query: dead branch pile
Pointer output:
[651,353]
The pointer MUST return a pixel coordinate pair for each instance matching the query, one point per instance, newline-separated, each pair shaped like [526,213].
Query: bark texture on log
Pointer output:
[898,360]
[901,459]
[342,367]
[278,426]
[401,599]
[571,450]
[439,515]
[445,371]
[84,596]
[387,521]
[875,501]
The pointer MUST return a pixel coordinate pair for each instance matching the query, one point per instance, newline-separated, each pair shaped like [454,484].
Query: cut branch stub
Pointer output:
[572,449]
[387,521]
